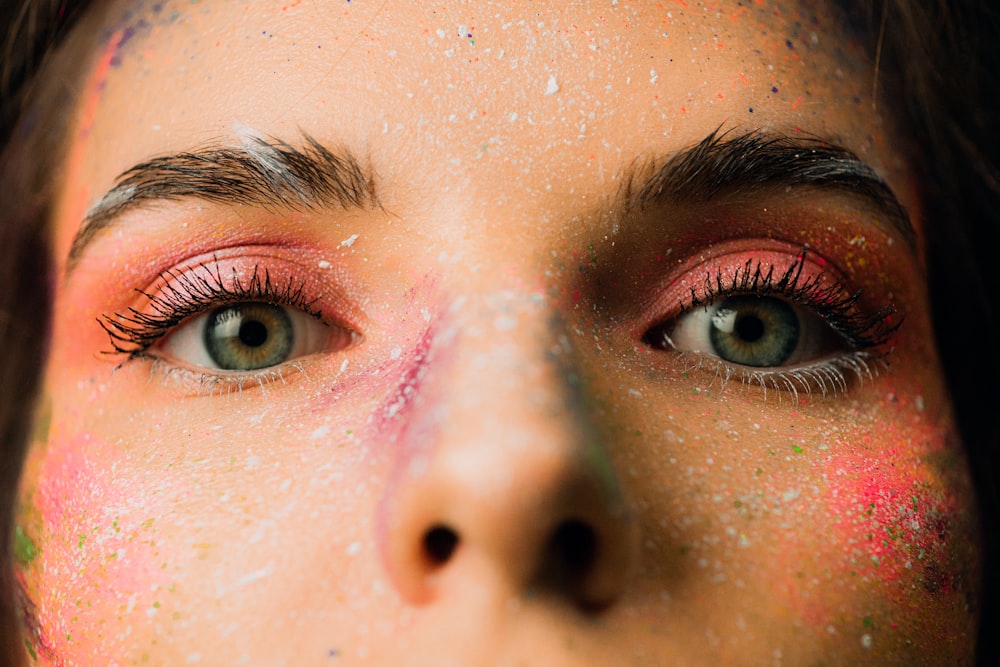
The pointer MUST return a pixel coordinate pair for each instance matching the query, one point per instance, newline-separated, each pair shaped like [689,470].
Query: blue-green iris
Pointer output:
[754,331]
[249,336]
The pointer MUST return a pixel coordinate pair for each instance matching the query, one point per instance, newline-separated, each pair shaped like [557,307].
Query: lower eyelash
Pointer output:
[829,377]
[212,384]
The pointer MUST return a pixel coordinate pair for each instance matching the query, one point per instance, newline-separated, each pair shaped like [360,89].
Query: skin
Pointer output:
[498,383]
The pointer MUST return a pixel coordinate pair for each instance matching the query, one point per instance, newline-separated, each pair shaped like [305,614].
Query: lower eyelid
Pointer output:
[208,383]
[827,377]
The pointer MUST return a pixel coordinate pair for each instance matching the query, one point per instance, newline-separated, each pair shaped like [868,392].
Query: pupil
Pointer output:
[253,333]
[749,328]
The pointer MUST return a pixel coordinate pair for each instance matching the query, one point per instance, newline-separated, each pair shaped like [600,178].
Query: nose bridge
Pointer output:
[505,468]
[513,375]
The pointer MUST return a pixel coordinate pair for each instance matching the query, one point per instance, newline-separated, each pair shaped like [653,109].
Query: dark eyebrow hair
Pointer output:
[261,172]
[756,162]
[274,174]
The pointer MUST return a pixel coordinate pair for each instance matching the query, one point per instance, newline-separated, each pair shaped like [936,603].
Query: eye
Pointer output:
[249,336]
[750,330]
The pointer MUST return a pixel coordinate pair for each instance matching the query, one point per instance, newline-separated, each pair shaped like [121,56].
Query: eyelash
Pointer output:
[188,293]
[834,304]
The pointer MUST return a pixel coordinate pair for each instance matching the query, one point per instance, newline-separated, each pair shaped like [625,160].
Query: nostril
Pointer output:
[439,544]
[568,561]
[572,548]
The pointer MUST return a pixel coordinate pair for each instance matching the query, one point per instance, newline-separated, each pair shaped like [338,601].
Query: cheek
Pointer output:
[895,517]
[895,532]
[98,554]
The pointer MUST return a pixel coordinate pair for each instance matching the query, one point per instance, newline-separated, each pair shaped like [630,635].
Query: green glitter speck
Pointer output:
[24,549]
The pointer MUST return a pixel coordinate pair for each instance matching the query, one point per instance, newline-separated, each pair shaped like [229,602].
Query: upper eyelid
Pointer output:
[181,295]
[862,325]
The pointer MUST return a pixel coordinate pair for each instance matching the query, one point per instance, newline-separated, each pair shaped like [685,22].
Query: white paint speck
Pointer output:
[349,241]
[353,548]
[653,76]
[321,432]
[504,323]
[323,264]
[193,657]
[513,116]
[789,496]
[395,353]
[866,641]
[552,87]
[255,576]
[426,314]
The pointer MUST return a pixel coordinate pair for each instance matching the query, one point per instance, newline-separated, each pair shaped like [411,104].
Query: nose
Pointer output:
[503,483]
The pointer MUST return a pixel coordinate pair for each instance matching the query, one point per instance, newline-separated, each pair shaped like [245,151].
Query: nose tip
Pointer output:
[502,485]
[533,524]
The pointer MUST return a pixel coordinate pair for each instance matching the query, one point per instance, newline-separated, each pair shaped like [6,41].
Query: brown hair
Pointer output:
[26,274]
[937,73]
[935,64]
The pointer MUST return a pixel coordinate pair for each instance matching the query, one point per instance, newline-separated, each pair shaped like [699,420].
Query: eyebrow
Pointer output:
[727,164]
[274,174]
[267,173]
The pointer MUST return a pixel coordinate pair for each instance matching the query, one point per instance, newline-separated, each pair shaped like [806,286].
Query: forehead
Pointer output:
[488,99]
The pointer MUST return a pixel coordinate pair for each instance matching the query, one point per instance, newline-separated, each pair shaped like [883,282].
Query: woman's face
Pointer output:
[483,333]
